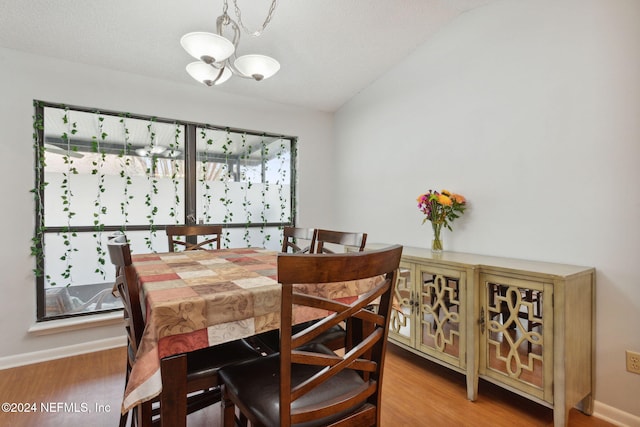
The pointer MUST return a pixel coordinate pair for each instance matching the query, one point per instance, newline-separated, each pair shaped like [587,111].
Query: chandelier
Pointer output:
[156,150]
[216,54]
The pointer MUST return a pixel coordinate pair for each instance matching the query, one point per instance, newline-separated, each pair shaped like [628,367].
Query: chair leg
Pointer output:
[125,416]
[123,419]
[144,414]
[227,410]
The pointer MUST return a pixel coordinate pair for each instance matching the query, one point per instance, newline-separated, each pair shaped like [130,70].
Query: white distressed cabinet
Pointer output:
[526,326]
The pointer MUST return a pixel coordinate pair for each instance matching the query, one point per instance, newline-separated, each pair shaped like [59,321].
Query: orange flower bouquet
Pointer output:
[441,208]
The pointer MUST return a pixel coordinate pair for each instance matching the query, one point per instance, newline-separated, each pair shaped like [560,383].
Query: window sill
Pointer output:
[75,323]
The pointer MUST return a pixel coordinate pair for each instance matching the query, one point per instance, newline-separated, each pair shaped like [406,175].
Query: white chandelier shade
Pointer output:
[257,66]
[217,55]
[207,74]
[207,47]
[157,151]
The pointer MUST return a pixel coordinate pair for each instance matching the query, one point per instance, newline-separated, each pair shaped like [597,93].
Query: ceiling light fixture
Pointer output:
[157,150]
[150,150]
[216,54]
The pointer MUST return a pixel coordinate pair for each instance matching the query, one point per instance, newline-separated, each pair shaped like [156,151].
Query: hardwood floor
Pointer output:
[87,390]
[89,379]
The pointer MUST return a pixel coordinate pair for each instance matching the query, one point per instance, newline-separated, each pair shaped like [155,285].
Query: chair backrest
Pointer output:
[127,286]
[357,240]
[367,331]
[174,232]
[116,237]
[291,237]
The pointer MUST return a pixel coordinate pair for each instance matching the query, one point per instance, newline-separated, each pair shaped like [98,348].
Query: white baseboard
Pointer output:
[61,352]
[615,415]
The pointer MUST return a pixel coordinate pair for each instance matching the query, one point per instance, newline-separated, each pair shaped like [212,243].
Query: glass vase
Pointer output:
[436,242]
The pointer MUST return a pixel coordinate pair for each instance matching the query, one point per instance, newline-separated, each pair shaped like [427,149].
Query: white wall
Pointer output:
[24,78]
[530,109]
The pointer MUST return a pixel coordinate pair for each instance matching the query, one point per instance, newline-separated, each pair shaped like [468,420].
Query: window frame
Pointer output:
[190,191]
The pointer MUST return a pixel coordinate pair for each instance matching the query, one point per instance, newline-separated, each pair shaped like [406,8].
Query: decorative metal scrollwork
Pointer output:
[514,325]
[440,305]
[402,305]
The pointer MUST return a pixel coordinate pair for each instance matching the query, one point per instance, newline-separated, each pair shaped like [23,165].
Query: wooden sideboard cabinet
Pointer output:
[526,326]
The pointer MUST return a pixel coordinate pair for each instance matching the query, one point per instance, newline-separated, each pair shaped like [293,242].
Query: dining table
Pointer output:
[197,299]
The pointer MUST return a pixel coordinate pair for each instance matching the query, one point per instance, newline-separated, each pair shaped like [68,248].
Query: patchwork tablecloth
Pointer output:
[197,299]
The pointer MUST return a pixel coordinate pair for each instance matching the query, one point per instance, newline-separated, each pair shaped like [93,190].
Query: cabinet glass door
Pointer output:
[400,323]
[442,314]
[515,321]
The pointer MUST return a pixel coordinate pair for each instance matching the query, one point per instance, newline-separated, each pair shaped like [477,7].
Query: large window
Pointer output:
[103,172]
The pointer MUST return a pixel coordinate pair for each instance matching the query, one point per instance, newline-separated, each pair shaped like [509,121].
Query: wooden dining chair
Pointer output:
[176,233]
[309,383]
[202,365]
[334,338]
[356,240]
[291,237]
[133,320]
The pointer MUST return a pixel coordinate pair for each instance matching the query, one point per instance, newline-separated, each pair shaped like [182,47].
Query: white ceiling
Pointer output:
[329,50]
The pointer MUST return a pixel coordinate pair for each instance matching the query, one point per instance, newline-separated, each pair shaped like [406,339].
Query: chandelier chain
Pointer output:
[259,31]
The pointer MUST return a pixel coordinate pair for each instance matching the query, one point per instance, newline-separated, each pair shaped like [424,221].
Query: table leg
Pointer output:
[173,399]
[144,414]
